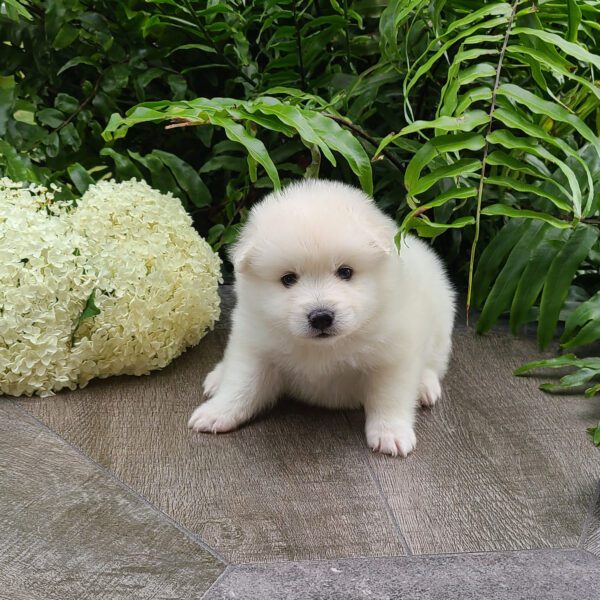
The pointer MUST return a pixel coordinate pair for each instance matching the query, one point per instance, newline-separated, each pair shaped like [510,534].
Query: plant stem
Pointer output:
[176,122]
[299,47]
[485,155]
[584,220]
[347,29]
[83,104]
[366,136]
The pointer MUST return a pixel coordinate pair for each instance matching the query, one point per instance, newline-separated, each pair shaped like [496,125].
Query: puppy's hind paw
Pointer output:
[430,390]
[396,439]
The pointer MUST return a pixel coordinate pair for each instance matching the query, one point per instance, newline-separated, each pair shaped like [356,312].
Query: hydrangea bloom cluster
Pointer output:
[125,250]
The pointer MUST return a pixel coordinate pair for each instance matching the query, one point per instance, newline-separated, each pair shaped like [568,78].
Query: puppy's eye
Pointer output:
[289,279]
[345,273]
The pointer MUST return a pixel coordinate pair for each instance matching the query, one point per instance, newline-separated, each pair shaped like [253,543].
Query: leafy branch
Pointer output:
[533,148]
[315,129]
[485,156]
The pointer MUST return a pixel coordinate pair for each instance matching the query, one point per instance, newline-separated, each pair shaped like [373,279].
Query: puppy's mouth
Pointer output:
[324,335]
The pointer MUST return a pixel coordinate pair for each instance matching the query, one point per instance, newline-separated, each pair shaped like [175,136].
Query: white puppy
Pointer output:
[330,313]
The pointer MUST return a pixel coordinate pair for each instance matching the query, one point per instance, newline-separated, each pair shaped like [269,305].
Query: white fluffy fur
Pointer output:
[391,336]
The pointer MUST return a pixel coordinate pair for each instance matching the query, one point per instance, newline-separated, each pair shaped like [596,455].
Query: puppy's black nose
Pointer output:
[321,318]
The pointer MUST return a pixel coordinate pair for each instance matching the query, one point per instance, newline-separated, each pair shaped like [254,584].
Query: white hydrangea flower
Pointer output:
[129,248]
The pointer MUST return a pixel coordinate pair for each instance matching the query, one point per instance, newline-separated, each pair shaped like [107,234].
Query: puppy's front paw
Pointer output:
[214,417]
[430,390]
[397,439]
[213,381]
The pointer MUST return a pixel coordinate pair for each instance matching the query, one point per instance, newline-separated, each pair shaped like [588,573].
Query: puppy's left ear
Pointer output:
[382,239]
[381,246]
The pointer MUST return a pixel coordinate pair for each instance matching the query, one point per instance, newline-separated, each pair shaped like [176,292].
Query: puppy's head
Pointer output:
[310,261]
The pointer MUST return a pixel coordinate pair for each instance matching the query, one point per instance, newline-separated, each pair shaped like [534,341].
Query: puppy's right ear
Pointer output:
[240,254]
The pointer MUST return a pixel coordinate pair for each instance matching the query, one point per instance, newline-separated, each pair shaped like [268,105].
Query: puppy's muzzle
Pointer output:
[321,319]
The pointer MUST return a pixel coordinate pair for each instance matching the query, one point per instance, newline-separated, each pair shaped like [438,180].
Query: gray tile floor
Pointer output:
[527,575]
[106,494]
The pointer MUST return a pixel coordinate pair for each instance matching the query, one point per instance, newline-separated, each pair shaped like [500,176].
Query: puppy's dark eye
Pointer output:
[345,273]
[289,279]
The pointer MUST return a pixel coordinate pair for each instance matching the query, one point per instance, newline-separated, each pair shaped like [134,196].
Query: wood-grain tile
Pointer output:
[69,531]
[293,485]
[499,465]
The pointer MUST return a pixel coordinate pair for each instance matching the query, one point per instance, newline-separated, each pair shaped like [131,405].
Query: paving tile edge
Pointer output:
[225,571]
[274,563]
[190,535]
[587,527]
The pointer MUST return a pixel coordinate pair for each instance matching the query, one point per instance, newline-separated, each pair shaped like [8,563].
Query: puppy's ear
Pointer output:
[240,254]
[381,246]
[382,239]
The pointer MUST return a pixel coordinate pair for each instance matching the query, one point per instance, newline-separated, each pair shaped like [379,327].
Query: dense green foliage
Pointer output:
[473,123]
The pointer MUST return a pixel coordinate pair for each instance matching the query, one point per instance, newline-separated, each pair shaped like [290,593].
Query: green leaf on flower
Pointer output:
[89,310]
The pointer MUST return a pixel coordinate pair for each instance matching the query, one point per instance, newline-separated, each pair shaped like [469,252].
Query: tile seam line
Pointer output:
[388,510]
[588,552]
[161,514]
[562,549]
[586,528]
[221,576]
